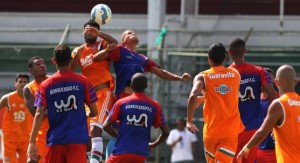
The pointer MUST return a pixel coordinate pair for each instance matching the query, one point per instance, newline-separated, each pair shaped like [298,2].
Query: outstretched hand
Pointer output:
[185,76]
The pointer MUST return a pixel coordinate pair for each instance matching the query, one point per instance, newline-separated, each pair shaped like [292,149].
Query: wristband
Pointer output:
[245,148]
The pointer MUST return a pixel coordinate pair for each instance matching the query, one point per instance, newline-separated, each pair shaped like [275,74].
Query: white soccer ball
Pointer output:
[101,14]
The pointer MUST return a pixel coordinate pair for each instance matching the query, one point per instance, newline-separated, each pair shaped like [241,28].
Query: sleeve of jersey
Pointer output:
[115,54]
[266,79]
[40,99]
[159,117]
[114,114]
[90,93]
[149,65]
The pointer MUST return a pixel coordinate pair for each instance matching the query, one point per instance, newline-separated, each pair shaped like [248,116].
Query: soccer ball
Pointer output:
[101,14]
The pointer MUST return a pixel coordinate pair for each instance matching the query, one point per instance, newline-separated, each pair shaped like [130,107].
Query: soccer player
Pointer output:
[17,123]
[127,62]
[136,113]
[266,149]
[37,67]
[253,78]
[99,74]
[283,116]
[63,95]
[222,122]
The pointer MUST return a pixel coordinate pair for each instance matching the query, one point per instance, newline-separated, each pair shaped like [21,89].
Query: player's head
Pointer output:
[237,48]
[91,23]
[180,123]
[129,37]
[138,82]
[285,78]
[62,55]
[37,67]
[271,74]
[216,54]
[21,81]
[89,38]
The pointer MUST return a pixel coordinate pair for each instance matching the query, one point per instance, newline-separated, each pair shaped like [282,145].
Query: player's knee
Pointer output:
[96,131]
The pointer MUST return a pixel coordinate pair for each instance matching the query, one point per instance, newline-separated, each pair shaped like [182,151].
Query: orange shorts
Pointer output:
[104,104]
[11,149]
[222,150]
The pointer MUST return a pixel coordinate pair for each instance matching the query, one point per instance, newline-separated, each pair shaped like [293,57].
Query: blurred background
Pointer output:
[174,33]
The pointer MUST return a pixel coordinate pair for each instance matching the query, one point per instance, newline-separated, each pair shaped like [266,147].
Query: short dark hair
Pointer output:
[237,43]
[22,75]
[62,55]
[91,23]
[217,53]
[181,119]
[31,61]
[139,82]
[270,71]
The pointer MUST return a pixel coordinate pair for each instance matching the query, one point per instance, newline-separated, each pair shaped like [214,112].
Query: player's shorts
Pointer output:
[66,153]
[104,105]
[11,149]
[222,150]
[266,156]
[244,138]
[126,158]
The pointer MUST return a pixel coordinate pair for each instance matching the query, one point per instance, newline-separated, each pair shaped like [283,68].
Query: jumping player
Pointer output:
[17,122]
[222,122]
[37,67]
[253,78]
[283,116]
[63,95]
[99,74]
[136,113]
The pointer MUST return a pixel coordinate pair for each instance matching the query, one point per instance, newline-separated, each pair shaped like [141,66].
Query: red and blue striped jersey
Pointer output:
[64,95]
[252,79]
[136,113]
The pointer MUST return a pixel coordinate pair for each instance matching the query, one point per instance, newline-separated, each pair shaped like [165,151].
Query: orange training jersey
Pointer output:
[220,110]
[97,72]
[17,120]
[287,135]
[33,87]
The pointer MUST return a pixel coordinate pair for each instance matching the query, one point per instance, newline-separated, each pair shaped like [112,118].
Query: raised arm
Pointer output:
[198,86]
[29,100]
[164,74]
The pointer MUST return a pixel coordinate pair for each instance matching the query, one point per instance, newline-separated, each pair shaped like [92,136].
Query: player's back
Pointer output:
[287,134]
[252,79]
[221,114]
[96,71]
[65,95]
[138,114]
[17,120]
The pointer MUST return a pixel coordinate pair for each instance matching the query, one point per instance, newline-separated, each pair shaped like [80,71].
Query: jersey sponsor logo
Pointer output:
[223,89]
[129,57]
[15,105]
[19,116]
[248,94]
[247,80]
[87,60]
[293,102]
[218,76]
[64,107]
[140,122]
